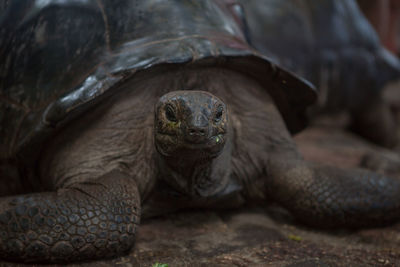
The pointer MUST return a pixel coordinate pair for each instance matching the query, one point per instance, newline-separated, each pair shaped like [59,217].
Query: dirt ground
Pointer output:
[266,236]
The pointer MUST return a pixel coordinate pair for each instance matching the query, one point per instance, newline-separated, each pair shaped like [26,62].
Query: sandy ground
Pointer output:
[266,236]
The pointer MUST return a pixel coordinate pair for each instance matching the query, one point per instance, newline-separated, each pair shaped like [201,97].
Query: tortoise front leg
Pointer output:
[332,197]
[88,220]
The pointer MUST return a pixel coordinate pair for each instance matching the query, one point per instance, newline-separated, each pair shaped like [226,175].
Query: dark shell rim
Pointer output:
[291,93]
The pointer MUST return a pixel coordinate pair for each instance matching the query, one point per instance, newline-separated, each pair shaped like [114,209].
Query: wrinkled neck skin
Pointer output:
[196,175]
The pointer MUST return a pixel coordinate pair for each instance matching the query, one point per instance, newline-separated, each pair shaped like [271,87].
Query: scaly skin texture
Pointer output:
[326,197]
[94,219]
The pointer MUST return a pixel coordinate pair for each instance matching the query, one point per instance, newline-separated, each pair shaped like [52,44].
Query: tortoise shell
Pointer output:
[61,57]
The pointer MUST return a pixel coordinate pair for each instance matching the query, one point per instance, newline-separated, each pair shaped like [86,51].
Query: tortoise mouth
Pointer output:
[204,143]
[168,145]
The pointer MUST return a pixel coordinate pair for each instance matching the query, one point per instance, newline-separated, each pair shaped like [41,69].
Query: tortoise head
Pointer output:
[190,124]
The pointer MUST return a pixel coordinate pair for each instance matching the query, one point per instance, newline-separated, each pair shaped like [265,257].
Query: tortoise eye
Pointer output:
[170,113]
[218,114]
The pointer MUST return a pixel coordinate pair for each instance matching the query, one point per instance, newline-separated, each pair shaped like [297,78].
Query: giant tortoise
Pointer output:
[113,111]
[331,44]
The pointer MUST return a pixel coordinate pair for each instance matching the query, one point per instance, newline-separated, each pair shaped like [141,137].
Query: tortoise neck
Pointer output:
[196,176]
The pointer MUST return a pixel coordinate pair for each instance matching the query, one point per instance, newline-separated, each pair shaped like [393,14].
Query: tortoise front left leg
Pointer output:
[88,220]
[325,196]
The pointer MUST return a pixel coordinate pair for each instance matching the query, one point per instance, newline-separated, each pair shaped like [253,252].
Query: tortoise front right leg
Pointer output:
[88,220]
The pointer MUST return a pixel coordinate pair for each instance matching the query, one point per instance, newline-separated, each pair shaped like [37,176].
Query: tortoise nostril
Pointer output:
[197,131]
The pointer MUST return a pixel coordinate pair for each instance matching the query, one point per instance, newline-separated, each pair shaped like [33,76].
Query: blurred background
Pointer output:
[384,17]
